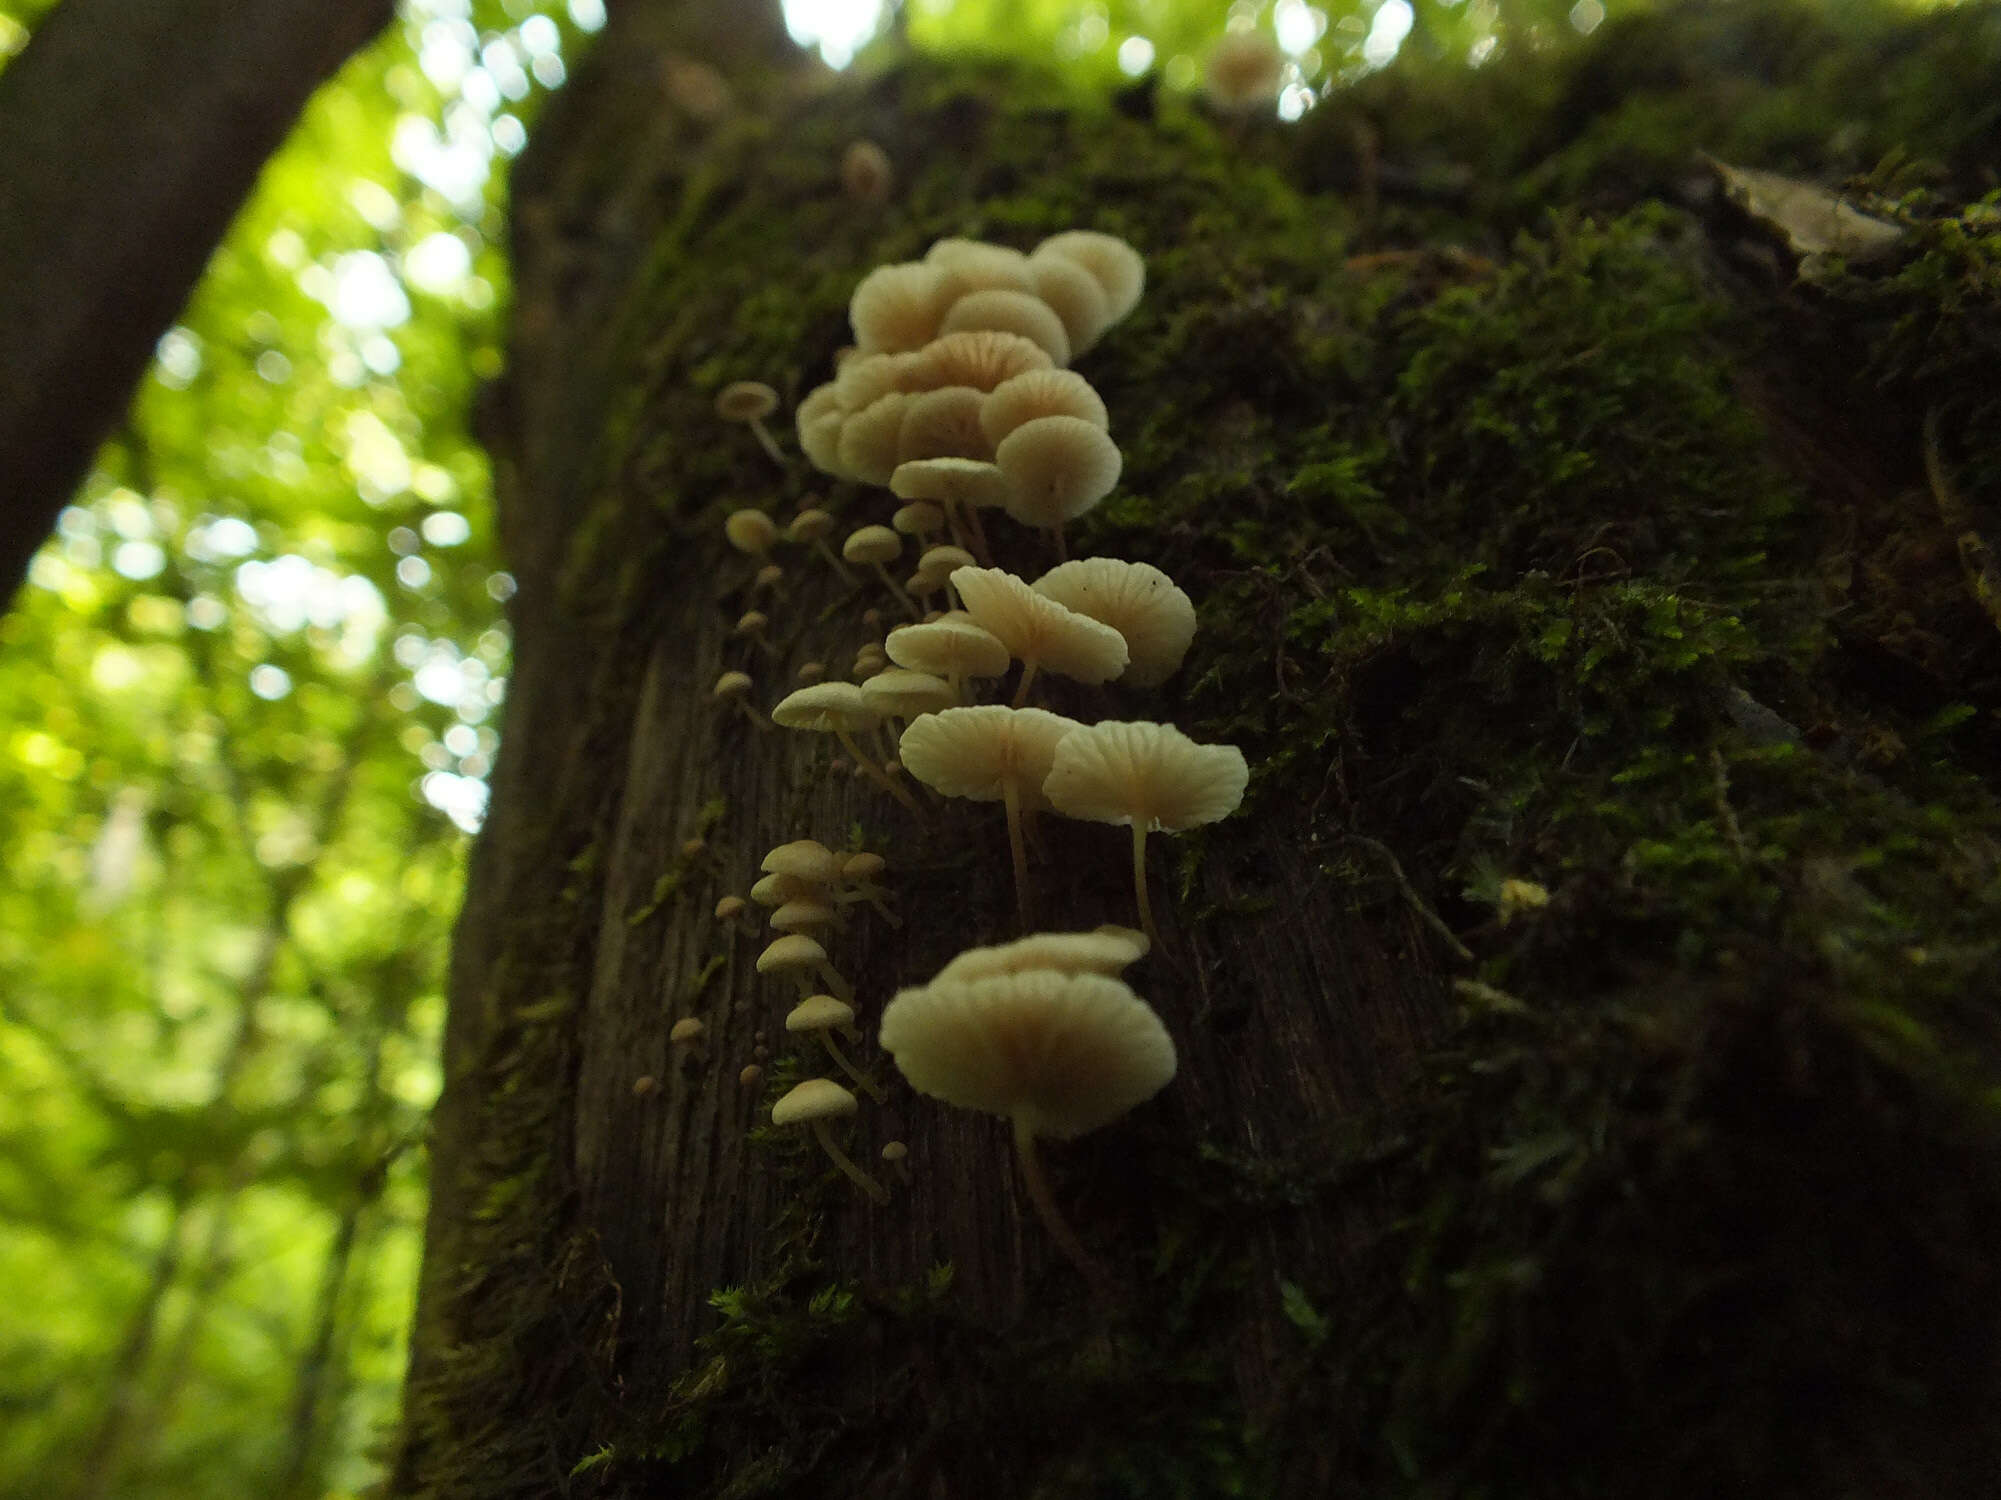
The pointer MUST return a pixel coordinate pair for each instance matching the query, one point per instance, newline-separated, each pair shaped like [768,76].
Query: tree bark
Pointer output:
[1582,1040]
[119,178]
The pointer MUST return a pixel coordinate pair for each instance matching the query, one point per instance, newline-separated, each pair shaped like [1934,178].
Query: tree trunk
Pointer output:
[1587,1026]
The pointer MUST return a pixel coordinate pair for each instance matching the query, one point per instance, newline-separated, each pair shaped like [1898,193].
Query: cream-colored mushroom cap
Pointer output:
[872,544]
[803,859]
[897,307]
[819,1013]
[825,707]
[948,648]
[733,685]
[745,401]
[1036,628]
[864,866]
[1113,264]
[1074,295]
[1244,70]
[810,525]
[818,420]
[983,358]
[815,1099]
[776,890]
[1138,601]
[973,752]
[685,1030]
[1061,1054]
[795,952]
[944,423]
[1062,952]
[958,481]
[918,518]
[976,265]
[1040,393]
[1057,468]
[750,531]
[1149,774]
[1010,312]
[801,916]
[869,377]
[869,437]
[905,694]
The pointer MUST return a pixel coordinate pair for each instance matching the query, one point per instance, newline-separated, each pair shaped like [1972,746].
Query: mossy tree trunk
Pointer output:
[1588,1026]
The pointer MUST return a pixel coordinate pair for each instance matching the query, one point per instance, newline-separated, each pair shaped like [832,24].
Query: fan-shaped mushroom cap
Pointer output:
[1061,1054]
[746,401]
[1113,264]
[804,859]
[1150,774]
[906,694]
[1011,312]
[1138,601]
[815,1099]
[1244,71]
[818,422]
[983,358]
[897,307]
[1036,628]
[750,531]
[869,377]
[868,447]
[1061,952]
[958,481]
[975,265]
[819,1013]
[944,423]
[826,708]
[1057,468]
[973,752]
[872,544]
[948,648]
[1040,393]
[1074,295]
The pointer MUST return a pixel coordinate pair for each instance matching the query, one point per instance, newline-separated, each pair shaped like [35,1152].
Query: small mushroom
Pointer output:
[730,908]
[897,307]
[809,673]
[920,518]
[750,402]
[802,916]
[1138,601]
[686,1035]
[1057,468]
[796,954]
[819,1015]
[1021,313]
[1111,262]
[734,688]
[813,526]
[751,532]
[1105,951]
[1037,630]
[859,874]
[876,545]
[838,708]
[770,579]
[952,649]
[751,1076]
[896,1154]
[750,626]
[1040,393]
[815,1102]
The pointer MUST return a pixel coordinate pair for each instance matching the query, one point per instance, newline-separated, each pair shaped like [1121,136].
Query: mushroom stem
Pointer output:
[757,720]
[1045,1209]
[979,535]
[764,441]
[1027,676]
[867,1084]
[1139,881]
[960,537]
[897,589]
[1062,553]
[820,546]
[876,772]
[1023,900]
[855,1174]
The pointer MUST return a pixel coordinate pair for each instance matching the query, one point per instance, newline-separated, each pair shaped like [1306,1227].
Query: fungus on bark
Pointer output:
[1056,468]
[815,1102]
[1038,631]
[1056,1054]
[797,955]
[750,402]
[1040,393]
[838,708]
[952,649]
[1149,776]
[819,1015]
[1137,600]
[1021,313]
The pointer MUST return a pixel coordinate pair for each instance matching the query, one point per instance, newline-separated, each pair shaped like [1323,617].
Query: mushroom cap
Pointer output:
[811,525]
[1151,774]
[819,1013]
[1040,393]
[825,707]
[729,906]
[944,423]
[792,952]
[1010,312]
[1074,295]
[948,648]
[863,866]
[1036,628]
[1057,468]
[731,685]
[962,481]
[944,558]
[804,859]
[746,401]
[974,752]
[1062,952]
[750,531]
[869,377]
[977,265]
[983,358]
[918,518]
[869,437]
[872,544]
[751,622]
[894,1151]
[897,307]
[685,1030]
[1060,1053]
[1138,601]
[1244,70]
[775,890]
[1113,264]
[801,916]
[817,420]
[905,693]
[815,1099]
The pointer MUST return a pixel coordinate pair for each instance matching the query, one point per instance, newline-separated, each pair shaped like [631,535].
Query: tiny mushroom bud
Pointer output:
[813,526]
[770,579]
[920,518]
[694,848]
[815,1102]
[751,532]
[644,1084]
[733,687]
[866,173]
[729,908]
[750,626]
[858,879]
[687,1031]
[895,1153]
[750,402]
[819,1015]
[876,545]
[751,1076]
